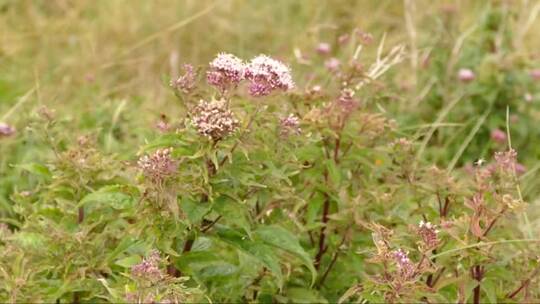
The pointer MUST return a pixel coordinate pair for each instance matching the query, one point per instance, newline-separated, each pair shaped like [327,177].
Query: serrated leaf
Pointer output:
[111,196]
[257,250]
[232,212]
[194,210]
[281,238]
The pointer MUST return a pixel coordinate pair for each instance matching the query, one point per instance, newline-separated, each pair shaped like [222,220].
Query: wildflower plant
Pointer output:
[272,181]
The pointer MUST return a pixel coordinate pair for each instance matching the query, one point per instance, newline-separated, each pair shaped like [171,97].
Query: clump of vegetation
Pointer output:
[255,184]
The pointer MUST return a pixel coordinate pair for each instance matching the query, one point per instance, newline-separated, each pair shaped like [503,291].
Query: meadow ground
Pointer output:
[464,84]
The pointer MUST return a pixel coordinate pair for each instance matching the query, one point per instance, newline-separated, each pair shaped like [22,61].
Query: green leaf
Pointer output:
[490,289]
[112,196]
[220,269]
[194,210]
[129,261]
[281,238]
[36,169]
[232,212]
[333,172]
[257,250]
[126,243]
[30,240]
[303,295]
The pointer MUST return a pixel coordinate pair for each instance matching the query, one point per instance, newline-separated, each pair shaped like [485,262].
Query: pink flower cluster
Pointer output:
[266,75]
[148,269]
[290,125]
[158,166]
[405,266]
[466,75]
[6,130]
[226,71]
[535,74]
[213,119]
[346,101]
[498,135]
[506,160]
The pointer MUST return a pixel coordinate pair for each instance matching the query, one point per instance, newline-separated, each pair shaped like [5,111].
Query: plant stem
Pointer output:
[334,258]
[81,215]
[477,273]
[210,225]
[322,235]
[524,283]
[336,150]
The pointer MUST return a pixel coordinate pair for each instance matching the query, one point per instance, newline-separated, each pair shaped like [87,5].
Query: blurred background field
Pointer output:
[104,66]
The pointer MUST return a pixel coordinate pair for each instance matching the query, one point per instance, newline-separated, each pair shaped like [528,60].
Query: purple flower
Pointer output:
[158,166]
[290,125]
[332,64]
[148,269]
[520,168]
[266,75]
[535,74]
[226,71]
[6,130]
[466,75]
[405,266]
[499,136]
[213,119]
[323,48]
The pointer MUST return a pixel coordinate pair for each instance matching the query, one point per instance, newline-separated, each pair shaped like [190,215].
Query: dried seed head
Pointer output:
[6,130]
[266,75]
[214,120]
[226,71]
[187,82]
[158,166]
[429,234]
[290,125]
